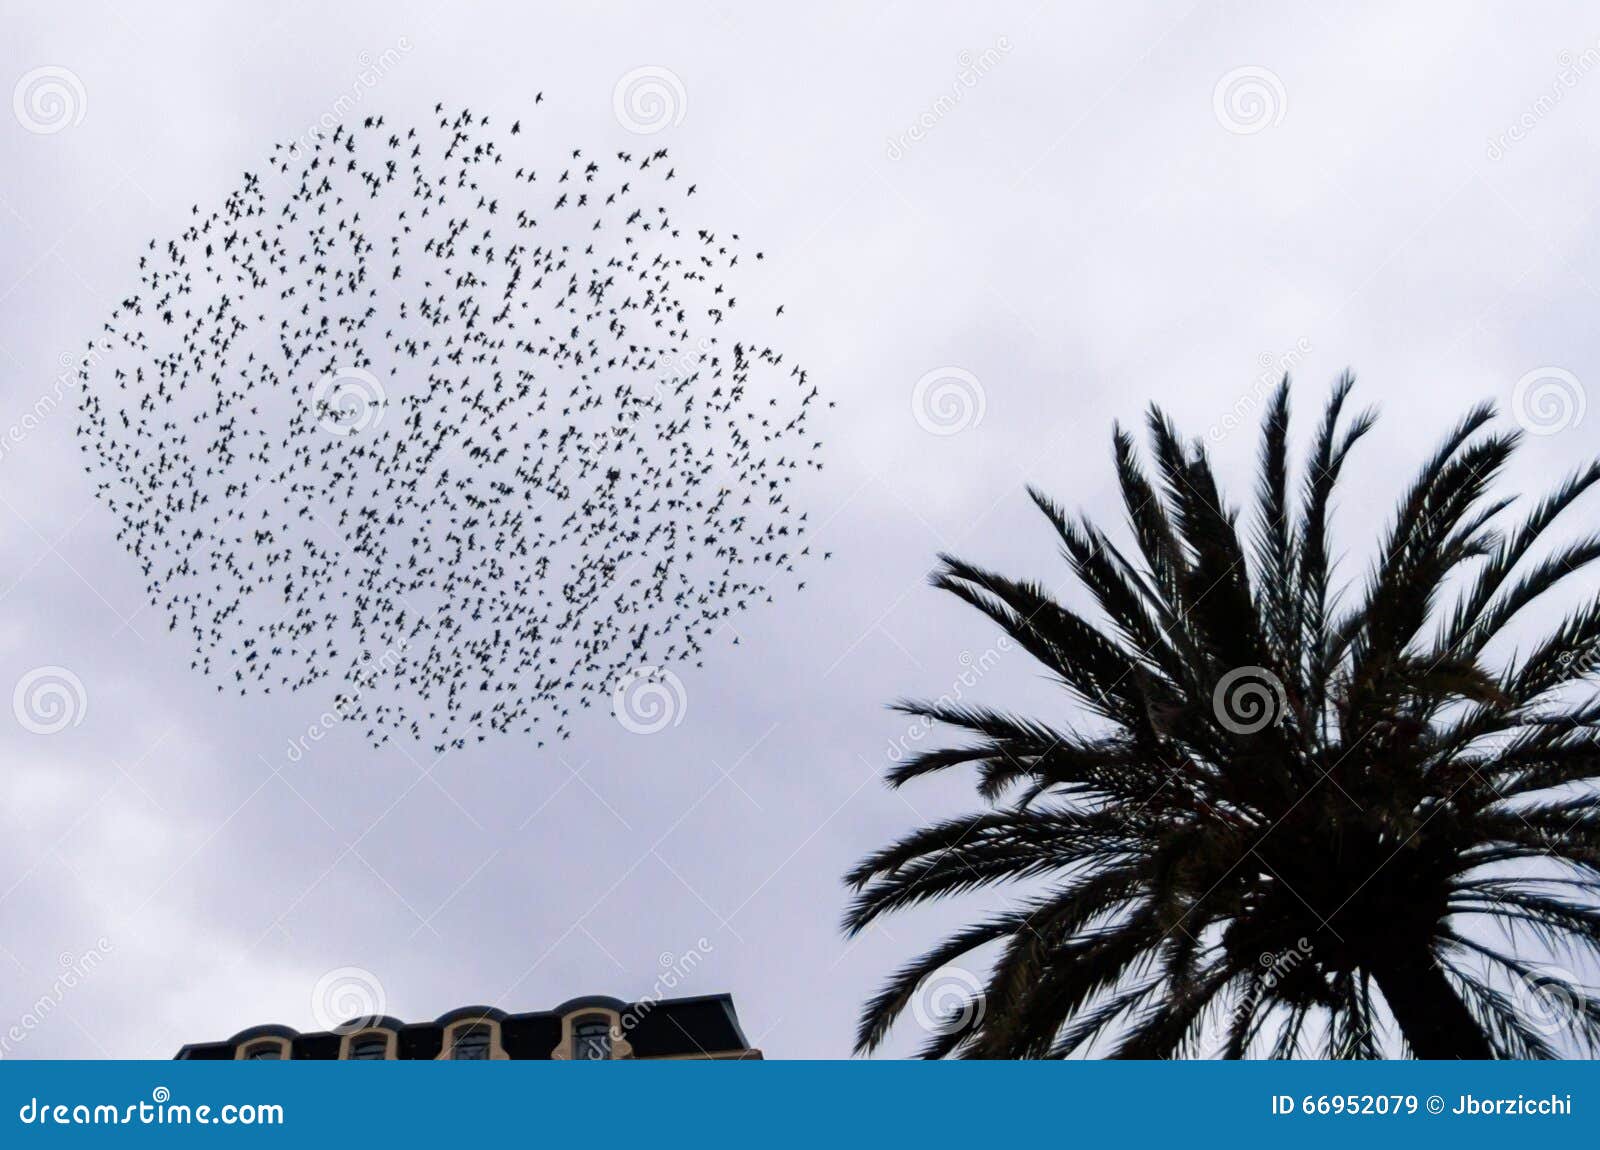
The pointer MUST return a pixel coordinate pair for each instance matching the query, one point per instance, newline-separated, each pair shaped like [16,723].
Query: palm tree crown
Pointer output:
[1288,821]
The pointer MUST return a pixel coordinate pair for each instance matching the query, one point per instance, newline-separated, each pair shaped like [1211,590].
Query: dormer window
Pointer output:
[593,1032]
[473,1037]
[591,1038]
[370,1047]
[266,1050]
[470,1043]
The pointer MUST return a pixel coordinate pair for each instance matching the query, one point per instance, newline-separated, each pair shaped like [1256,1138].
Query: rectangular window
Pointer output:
[471,1044]
[370,1047]
[591,1039]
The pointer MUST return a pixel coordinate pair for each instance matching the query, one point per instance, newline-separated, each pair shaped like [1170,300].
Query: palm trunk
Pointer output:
[1434,1020]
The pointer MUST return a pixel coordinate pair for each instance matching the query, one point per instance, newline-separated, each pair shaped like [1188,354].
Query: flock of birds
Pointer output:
[470,437]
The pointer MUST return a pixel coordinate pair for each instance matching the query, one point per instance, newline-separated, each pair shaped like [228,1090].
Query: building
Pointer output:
[594,1028]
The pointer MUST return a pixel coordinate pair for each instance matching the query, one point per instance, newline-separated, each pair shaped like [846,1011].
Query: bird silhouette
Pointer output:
[390,425]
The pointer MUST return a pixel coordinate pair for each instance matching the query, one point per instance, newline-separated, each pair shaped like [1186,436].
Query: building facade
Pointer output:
[587,1029]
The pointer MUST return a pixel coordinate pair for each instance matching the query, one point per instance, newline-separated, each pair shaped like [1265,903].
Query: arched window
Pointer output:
[267,1050]
[470,1043]
[373,1046]
[593,1030]
[591,1038]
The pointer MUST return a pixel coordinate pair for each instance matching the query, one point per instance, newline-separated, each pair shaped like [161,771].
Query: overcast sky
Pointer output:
[1047,215]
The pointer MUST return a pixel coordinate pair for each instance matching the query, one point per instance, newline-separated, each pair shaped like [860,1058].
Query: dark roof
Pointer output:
[666,1028]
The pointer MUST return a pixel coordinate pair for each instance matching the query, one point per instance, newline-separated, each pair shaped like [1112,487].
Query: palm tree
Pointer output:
[1274,802]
